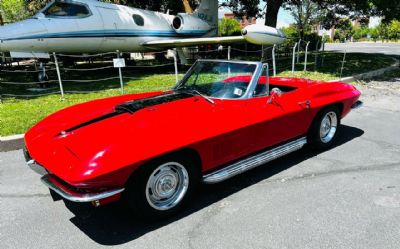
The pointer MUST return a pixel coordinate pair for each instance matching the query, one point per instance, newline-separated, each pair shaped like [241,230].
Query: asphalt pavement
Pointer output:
[365,47]
[346,197]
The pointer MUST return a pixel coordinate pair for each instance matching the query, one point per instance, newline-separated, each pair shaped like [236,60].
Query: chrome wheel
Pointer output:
[328,127]
[167,186]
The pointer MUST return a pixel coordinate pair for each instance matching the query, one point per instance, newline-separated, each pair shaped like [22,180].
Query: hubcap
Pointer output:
[167,186]
[328,127]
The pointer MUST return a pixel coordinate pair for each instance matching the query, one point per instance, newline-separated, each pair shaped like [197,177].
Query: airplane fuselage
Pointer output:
[90,26]
[103,28]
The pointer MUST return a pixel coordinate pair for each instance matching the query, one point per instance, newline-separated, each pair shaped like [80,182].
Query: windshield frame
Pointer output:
[252,84]
[41,12]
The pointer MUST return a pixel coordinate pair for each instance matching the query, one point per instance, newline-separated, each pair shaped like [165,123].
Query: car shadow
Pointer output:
[112,224]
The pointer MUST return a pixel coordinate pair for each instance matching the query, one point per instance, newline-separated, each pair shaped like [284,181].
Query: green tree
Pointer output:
[13,10]
[393,30]
[336,9]
[361,32]
[383,31]
[228,26]
[374,33]
[243,8]
[305,14]
[344,30]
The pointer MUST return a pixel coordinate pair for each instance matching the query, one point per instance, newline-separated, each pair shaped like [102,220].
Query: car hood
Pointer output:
[93,144]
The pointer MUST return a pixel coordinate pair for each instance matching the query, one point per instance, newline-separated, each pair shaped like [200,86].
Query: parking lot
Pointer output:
[347,197]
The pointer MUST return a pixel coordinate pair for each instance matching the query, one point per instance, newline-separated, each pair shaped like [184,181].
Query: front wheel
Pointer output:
[161,187]
[324,128]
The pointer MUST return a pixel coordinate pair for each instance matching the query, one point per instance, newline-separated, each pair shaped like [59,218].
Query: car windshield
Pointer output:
[218,79]
[66,9]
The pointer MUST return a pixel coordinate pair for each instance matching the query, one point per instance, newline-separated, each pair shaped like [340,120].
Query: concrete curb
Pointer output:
[369,74]
[9,143]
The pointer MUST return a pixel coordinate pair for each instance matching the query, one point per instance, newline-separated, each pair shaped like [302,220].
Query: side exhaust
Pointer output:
[253,161]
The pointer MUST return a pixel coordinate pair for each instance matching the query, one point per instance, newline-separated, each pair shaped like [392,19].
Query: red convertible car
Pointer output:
[153,149]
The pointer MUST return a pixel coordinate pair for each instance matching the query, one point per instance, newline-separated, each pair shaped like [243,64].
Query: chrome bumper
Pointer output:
[61,188]
[33,164]
[357,105]
[72,195]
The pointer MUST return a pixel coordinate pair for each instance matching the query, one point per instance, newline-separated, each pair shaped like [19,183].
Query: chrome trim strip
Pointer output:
[357,105]
[75,196]
[253,161]
[36,167]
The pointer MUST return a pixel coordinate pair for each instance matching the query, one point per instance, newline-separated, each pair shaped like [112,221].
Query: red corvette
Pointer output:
[153,149]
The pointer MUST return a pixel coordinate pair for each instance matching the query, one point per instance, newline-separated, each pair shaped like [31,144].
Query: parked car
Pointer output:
[154,149]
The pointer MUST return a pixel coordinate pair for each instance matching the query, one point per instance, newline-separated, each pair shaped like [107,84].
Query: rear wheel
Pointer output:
[162,187]
[324,128]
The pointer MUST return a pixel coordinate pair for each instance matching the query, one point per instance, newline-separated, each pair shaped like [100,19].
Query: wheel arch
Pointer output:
[187,152]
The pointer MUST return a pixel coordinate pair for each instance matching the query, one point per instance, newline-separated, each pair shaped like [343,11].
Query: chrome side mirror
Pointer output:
[275,93]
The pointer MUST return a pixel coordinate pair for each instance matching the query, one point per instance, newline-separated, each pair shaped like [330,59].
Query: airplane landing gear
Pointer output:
[42,76]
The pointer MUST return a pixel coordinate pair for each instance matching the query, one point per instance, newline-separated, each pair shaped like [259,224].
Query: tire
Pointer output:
[162,187]
[324,128]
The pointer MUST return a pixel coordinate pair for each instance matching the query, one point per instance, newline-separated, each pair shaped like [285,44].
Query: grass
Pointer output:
[19,114]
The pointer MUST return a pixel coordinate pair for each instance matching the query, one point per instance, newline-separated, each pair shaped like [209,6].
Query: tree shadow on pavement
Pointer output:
[112,224]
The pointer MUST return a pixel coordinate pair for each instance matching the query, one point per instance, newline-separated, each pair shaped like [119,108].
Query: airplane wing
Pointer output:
[185,42]
[256,34]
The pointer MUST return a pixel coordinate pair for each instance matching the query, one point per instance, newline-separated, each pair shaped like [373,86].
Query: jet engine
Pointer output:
[190,24]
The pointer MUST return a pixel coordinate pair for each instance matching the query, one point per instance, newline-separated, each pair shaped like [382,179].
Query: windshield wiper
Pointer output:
[195,92]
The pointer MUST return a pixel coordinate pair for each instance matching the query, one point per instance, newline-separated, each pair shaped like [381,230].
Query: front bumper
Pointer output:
[357,104]
[63,189]
[72,194]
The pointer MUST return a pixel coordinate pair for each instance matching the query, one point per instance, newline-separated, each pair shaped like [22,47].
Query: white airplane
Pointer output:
[90,26]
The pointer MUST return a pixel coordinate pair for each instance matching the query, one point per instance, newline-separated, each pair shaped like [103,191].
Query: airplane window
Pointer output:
[138,20]
[62,9]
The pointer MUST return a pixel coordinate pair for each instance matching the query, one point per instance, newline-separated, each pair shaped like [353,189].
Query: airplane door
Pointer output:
[90,29]
[112,19]
[59,31]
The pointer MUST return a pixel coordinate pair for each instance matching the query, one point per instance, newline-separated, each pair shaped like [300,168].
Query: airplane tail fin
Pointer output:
[208,11]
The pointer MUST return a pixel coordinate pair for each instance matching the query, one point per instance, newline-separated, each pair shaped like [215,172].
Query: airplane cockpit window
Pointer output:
[138,20]
[64,9]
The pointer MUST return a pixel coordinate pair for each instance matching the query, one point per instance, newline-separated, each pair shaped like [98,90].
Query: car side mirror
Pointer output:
[275,94]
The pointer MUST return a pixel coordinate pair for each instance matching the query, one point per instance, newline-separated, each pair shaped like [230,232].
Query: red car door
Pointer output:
[284,118]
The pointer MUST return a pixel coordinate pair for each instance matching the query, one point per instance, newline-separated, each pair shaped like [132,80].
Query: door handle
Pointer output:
[305,104]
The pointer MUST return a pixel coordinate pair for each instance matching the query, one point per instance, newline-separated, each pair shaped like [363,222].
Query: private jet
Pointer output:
[91,26]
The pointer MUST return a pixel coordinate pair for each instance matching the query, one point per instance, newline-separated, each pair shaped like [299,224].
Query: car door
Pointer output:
[276,119]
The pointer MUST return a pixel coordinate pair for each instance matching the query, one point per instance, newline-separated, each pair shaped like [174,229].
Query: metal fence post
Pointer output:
[323,54]
[305,57]
[58,75]
[176,66]
[294,57]
[262,53]
[273,59]
[316,56]
[298,51]
[344,59]
[121,81]
[229,53]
